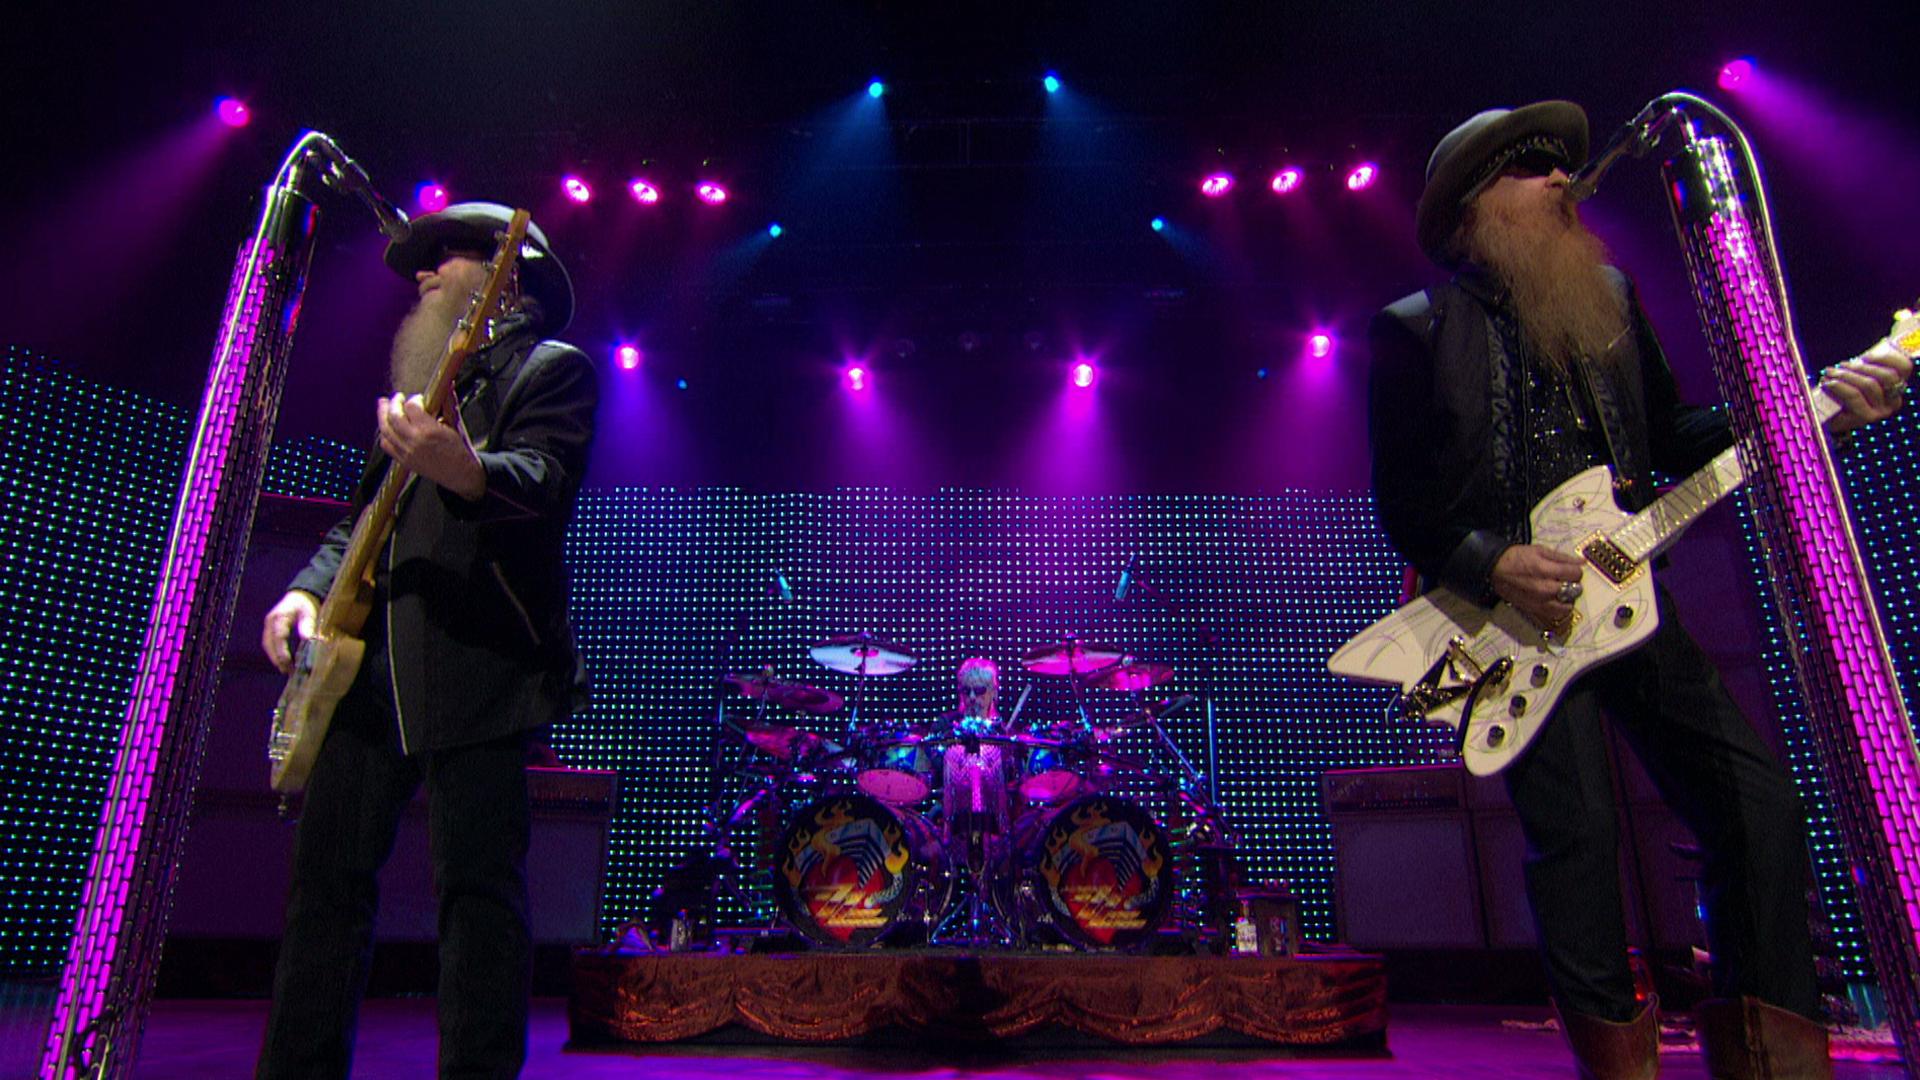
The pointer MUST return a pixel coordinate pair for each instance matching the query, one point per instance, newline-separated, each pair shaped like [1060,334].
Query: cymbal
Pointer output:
[756,685]
[848,652]
[1071,657]
[1133,675]
[780,741]
[803,698]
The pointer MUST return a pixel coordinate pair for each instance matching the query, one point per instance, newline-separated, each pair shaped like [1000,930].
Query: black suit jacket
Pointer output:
[474,594]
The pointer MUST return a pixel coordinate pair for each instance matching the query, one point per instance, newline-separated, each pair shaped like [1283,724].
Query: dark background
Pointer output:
[967,246]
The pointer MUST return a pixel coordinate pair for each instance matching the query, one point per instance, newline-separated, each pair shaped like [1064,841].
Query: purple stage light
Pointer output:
[856,378]
[1214,185]
[1362,176]
[1735,73]
[1285,181]
[643,192]
[576,189]
[1320,344]
[232,112]
[711,193]
[627,355]
[1084,374]
[430,197]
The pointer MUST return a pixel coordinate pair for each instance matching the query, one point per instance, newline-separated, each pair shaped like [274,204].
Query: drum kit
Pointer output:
[973,832]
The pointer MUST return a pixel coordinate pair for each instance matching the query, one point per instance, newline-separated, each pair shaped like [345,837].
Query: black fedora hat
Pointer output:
[1471,154]
[478,225]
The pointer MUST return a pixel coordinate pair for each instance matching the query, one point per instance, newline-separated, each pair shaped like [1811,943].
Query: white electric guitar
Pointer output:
[1495,676]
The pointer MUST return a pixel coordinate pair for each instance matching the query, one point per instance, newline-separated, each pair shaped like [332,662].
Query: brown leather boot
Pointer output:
[1605,1050]
[1746,1038]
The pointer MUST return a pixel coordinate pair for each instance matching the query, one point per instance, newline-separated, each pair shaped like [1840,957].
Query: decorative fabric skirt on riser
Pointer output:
[961,999]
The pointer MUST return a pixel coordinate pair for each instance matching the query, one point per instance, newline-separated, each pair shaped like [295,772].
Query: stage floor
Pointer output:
[202,1040]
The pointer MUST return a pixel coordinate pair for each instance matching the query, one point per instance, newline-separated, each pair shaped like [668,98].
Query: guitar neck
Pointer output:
[1655,529]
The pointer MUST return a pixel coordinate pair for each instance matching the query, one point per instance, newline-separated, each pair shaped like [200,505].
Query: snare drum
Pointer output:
[1101,873]
[851,870]
[896,768]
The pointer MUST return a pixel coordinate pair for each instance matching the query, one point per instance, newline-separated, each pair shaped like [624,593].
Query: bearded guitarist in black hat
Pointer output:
[1532,364]
[468,651]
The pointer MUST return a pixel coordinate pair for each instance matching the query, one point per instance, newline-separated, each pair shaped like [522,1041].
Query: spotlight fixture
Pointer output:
[1051,82]
[232,112]
[774,230]
[876,89]
[643,191]
[1362,176]
[711,193]
[1320,344]
[1083,374]
[856,378]
[1735,73]
[1158,224]
[1286,181]
[576,189]
[627,355]
[1214,185]
[430,197]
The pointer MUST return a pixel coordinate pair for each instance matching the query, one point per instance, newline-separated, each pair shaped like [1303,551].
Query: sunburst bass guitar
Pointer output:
[1491,673]
[325,662]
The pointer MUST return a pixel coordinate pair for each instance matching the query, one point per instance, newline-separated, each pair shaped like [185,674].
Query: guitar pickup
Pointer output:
[1605,556]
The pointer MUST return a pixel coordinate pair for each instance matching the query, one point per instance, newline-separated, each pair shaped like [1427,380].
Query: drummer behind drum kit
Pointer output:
[976,833]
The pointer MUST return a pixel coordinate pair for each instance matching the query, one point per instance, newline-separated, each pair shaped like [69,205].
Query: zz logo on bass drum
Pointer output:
[1100,868]
[850,869]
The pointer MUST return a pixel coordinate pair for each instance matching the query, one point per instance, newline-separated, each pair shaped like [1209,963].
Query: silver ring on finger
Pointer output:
[1569,592]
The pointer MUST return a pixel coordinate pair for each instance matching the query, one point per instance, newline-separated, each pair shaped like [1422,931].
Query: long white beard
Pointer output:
[421,342]
[1555,270]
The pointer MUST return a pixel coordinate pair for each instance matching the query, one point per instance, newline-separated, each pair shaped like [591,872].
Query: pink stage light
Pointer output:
[1320,344]
[1217,184]
[643,192]
[1084,374]
[711,193]
[627,356]
[232,112]
[576,189]
[1362,176]
[1735,73]
[1286,180]
[855,377]
[430,197]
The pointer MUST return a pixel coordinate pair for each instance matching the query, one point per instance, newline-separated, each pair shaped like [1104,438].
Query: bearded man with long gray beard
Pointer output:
[1536,362]
[468,653]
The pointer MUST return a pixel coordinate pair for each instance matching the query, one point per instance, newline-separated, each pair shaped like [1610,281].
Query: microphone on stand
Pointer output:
[1126,577]
[345,175]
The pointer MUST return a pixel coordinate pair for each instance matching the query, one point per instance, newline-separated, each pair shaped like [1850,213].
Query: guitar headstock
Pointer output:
[486,305]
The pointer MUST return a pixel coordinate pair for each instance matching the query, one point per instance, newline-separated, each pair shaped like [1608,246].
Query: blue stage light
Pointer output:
[1051,82]
[774,230]
[876,88]
[1158,224]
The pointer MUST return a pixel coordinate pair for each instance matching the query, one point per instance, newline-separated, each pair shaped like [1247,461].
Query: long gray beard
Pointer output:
[420,343]
[1555,269]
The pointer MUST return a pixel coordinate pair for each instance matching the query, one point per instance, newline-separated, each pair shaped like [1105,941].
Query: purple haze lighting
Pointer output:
[643,192]
[576,189]
[1214,185]
[430,197]
[856,378]
[627,356]
[1735,73]
[1285,181]
[1084,374]
[1320,344]
[232,112]
[1362,176]
[711,193]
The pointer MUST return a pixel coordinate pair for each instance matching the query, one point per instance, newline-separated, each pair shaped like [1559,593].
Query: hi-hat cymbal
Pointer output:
[1071,657]
[757,685]
[803,698]
[1133,675]
[862,652]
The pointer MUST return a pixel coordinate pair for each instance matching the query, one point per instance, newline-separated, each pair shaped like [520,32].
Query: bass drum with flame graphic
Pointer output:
[851,871]
[1101,872]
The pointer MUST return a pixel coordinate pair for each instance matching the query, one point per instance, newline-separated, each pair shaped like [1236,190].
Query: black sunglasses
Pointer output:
[1532,162]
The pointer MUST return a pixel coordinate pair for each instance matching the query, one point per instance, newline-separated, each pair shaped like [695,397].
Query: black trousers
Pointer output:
[1717,776]
[478,824]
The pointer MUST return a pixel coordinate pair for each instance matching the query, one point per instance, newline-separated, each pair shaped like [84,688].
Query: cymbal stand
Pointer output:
[1209,647]
[1076,684]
